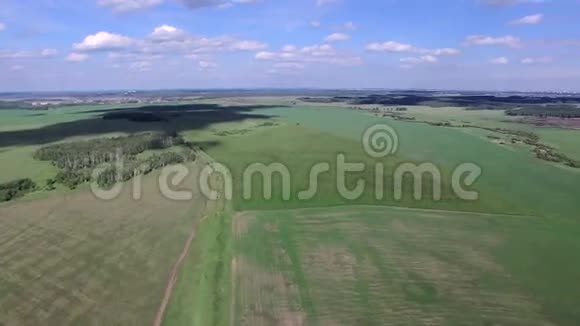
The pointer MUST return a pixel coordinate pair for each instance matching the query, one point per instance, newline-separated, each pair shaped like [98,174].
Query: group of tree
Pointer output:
[114,174]
[541,111]
[90,153]
[77,160]
[550,154]
[14,189]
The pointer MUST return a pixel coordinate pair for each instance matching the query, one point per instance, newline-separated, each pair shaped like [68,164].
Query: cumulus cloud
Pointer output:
[508,40]
[129,5]
[500,61]
[392,46]
[167,33]
[336,37]
[77,57]
[418,60]
[48,52]
[246,46]
[2,26]
[103,41]
[529,20]
[121,6]
[45,53]
[315,24]
[289,65]
[540,60]
[325,54]
[165,39]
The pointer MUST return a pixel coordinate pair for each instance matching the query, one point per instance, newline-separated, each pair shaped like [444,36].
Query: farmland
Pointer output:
[506,258]
[75,259]
[371,265]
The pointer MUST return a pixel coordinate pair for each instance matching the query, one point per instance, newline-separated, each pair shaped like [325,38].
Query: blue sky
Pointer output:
[153,44]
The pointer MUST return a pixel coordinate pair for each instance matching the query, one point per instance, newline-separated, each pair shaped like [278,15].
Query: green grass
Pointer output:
[513,180]
[202,296]
[372,265]
[28,119]
[17,162]
[565,140]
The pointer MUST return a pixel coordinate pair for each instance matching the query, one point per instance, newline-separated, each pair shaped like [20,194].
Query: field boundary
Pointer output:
[202,158]
[174,276]
[426,210]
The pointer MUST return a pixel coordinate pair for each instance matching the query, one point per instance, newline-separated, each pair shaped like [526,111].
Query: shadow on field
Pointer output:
[168,118]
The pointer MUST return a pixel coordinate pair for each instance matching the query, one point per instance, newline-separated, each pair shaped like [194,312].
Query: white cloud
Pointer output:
[266,55]
[226,5]
[129,5]
[233,3]
[165,39]
[16,68]
[165,33]
[392,46]
[45,53]
[324,53]
[336,37]
[529,20]
[443,51]
[540,60]
[122,6]
[315,24]
[2,27]
[417,60]
[290,65]
[500,61]
[48,52]
[350,26]
[77,57]
[507,40]
[205,65]
[247,46]
[103,41]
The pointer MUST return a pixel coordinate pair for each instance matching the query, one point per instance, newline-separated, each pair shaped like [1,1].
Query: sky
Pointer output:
[60,45]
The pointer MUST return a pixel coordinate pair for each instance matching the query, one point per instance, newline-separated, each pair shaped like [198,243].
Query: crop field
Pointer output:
[69,258]
[75,259]
[372,265]
[304,137]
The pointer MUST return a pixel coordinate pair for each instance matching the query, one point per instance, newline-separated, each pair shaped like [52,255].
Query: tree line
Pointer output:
[77,160]
[557,111]
[90,153]
[15,189]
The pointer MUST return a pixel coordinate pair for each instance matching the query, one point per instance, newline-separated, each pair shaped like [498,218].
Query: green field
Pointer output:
[322,261]
[371,266]
[74,259]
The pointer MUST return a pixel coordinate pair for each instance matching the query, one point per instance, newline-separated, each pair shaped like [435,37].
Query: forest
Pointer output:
[556,111]
[76,160]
